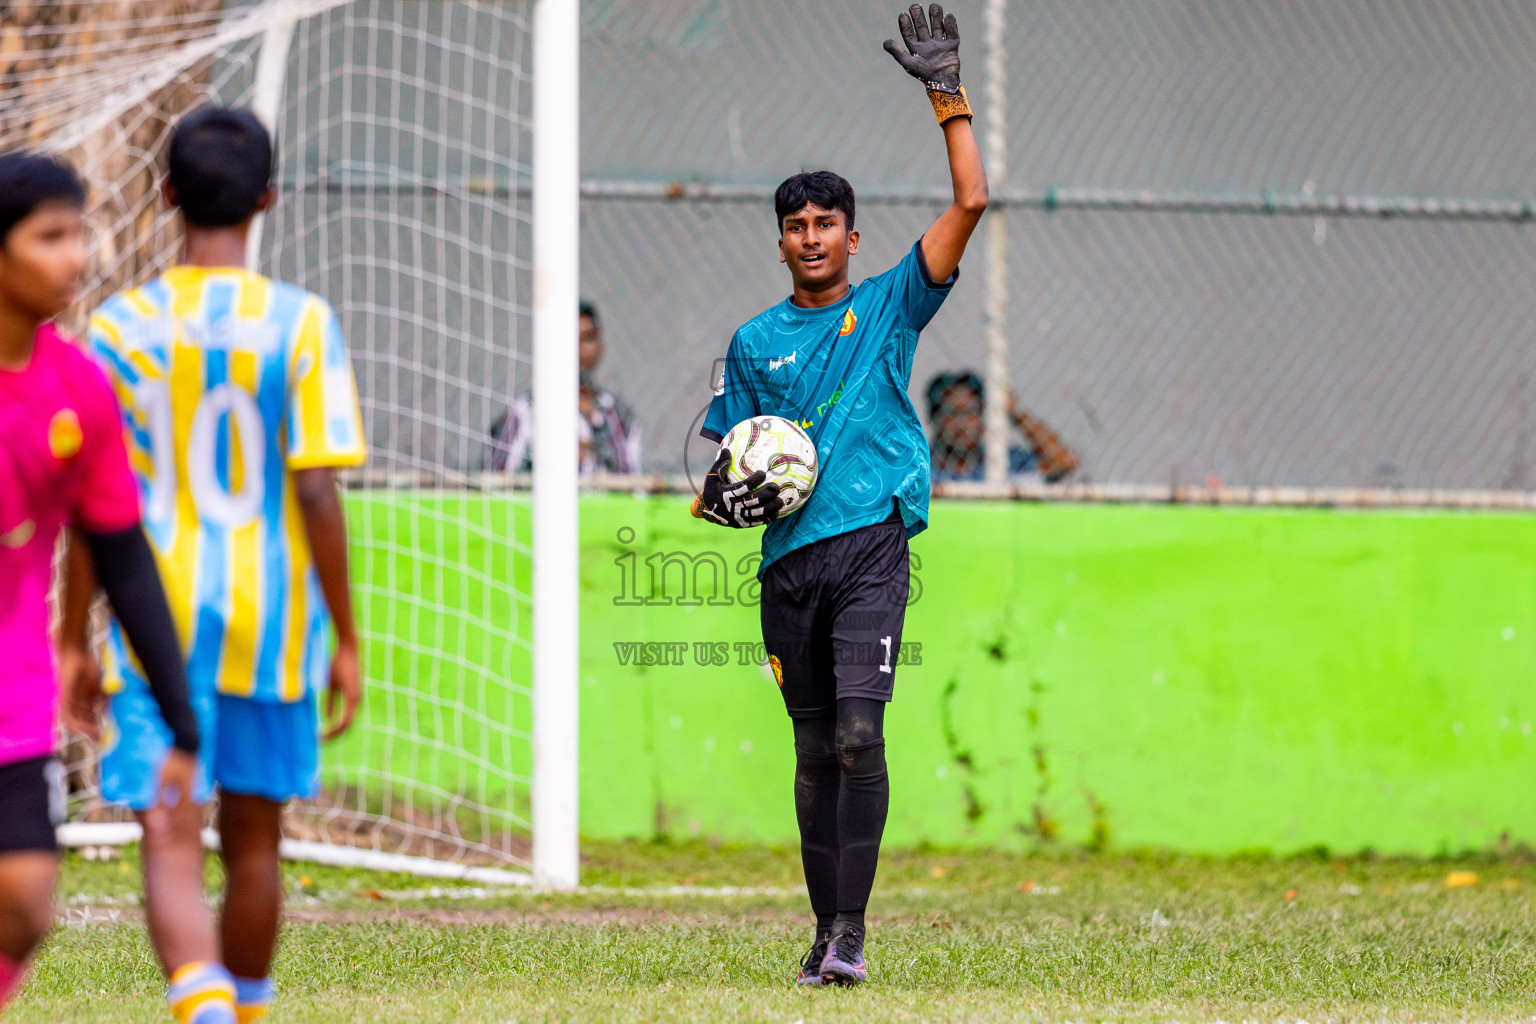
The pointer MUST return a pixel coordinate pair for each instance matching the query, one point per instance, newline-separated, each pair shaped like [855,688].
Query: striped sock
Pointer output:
[253,998]
[11,973]
[202,992]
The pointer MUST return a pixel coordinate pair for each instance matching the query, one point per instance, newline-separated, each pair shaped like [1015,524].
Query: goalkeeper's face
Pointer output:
[816,244]
[42,260]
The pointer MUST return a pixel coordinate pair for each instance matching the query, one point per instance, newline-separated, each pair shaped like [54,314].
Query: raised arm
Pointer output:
[932,56]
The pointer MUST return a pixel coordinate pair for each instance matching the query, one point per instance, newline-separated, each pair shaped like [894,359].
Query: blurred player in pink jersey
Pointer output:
[64,463]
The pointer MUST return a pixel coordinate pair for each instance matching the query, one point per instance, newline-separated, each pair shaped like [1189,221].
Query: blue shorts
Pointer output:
[252,747]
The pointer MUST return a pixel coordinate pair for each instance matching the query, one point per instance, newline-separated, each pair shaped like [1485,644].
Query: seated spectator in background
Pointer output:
[610,437]
[957,421]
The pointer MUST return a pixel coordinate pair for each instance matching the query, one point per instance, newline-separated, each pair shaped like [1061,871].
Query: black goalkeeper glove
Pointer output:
[752,502]
[932,56]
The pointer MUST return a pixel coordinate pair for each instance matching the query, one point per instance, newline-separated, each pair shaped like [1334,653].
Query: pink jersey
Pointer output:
[62,462]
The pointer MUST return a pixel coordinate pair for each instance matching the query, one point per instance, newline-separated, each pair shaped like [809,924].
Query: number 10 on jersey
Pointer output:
[216,502]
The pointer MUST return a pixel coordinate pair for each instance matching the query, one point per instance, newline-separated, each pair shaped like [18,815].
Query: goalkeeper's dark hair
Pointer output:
[588,309]
[825,189]
[220,165]
[29,180]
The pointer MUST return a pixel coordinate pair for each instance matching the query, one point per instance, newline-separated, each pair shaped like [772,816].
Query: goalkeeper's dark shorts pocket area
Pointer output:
[31,804]
[832,615]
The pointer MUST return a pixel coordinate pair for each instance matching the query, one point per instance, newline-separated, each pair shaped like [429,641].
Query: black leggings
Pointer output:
[842,794]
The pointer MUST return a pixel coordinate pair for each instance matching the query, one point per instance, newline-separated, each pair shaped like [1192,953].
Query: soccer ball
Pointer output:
[778,447]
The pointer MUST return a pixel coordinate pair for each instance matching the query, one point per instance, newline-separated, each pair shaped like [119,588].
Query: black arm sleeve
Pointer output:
[125,565]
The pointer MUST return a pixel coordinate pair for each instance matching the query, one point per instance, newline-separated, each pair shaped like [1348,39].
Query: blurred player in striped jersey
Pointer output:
[63,463]
[239,405]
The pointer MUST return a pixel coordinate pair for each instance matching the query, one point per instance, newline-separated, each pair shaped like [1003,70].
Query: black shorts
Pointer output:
[31,804]
[832,616]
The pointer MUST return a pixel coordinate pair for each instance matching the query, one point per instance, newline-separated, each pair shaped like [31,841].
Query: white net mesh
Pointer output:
[403,170]
[402,133]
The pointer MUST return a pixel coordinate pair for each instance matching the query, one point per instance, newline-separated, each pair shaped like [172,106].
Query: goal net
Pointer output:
[403,139]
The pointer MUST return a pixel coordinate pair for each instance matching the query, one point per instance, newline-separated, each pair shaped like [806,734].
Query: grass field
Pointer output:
[694,933]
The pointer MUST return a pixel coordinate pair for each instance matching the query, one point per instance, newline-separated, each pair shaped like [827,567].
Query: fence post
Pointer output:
[995,149]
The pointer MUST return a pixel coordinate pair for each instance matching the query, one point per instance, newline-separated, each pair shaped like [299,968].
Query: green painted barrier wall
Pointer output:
[1194,678]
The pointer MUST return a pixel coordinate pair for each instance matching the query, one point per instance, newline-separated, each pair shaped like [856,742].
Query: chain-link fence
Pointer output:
[1253,245]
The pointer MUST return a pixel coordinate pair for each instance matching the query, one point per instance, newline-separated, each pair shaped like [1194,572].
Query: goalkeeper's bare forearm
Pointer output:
[932,55]
[944,243]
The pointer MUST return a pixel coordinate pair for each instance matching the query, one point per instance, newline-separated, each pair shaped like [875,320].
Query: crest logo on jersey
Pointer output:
[778,669]
[849,323]
[64,435]
[19,536]
[774,364]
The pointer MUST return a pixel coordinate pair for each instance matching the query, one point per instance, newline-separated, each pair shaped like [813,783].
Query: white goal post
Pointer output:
[556,568]
[428,185]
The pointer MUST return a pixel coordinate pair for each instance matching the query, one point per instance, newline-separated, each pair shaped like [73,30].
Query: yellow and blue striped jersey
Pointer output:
[228,382]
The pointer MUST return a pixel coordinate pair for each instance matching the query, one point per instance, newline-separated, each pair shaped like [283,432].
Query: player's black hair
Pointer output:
[942,382]
[587,309]
[220,164]
[825,189]
[27,181]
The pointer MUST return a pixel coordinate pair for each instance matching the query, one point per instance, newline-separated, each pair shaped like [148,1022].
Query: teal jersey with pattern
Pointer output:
[841,372]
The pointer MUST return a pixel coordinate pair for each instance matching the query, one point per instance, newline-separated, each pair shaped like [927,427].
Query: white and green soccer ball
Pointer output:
[779,448]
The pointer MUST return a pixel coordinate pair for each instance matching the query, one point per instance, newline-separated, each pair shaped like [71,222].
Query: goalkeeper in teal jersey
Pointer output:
[837,359]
